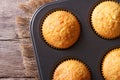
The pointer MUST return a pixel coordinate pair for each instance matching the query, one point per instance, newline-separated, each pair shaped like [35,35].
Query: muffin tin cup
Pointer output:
[50,12]
[90,16]
[89,48]
[67,59]
[110,50]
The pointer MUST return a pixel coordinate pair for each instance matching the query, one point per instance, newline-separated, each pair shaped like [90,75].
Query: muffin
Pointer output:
[71,70]
[111,65]
[61,29]
[105,19]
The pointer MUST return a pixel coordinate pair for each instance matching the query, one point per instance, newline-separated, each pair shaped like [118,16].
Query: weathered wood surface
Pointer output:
[10,60]
[8,11]
[17,79]
[11,66]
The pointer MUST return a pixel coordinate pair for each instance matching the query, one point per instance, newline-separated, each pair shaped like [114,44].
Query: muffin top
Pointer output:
[111,65]
[61,29]
[106,19]
[71,70]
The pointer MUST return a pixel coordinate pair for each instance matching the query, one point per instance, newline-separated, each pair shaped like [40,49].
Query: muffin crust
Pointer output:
[61,29]
[71,70]
[111,65]
[106,19]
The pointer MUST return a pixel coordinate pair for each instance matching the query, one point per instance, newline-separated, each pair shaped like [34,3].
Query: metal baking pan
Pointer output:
[90,48]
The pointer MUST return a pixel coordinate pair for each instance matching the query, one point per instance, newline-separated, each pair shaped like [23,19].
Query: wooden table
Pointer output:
[11,66]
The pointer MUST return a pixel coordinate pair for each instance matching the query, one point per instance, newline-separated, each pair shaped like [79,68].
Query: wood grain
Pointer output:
[11,66]
[8,11]
[17,79]
[10,60]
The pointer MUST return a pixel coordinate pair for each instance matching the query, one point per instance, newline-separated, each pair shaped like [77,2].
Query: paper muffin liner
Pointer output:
[50,12]
[101,67]
[90,16]
[68,59]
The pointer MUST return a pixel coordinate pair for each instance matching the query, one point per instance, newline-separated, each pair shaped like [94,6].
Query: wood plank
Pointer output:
[17,79]
[11,66]
[7,31]
[8,11]
[10,59]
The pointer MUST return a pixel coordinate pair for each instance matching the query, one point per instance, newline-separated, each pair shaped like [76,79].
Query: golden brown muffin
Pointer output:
[71,70]
[106,19]
[111,65]
[61,29]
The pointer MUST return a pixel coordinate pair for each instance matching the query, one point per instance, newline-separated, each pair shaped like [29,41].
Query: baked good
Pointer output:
[71,70]
[105,19]
[111,65]
[61,29]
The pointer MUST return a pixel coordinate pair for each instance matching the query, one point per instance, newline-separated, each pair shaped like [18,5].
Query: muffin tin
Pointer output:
[90,48]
